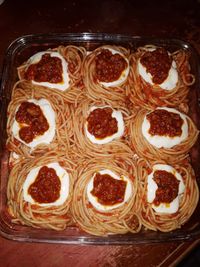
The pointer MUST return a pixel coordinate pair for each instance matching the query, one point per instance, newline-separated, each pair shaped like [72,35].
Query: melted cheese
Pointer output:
[65,76]
[94,200]
[120,124]
[169,83]
[123,75]
[49,114]
[165,141]
[173,206]
[64,179]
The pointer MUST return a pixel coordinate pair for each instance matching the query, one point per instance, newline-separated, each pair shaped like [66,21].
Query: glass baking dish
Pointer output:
[19,51]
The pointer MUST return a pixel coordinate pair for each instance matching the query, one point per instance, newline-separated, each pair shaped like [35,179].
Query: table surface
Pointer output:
[170,19]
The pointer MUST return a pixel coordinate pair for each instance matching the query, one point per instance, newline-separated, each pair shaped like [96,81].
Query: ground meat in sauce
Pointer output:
[158,63]
[163,122]
[109,67]
[36,123]
[48,69]
[101,124]
[108,190]
[46,187]
[168,187]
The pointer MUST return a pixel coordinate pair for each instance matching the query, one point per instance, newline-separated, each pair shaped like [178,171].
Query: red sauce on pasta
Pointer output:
[108,190]
[163,122]
[47,185]
[168,187]
[35,122]
[101,123]
[109,67]
[158,63]
[48,69]
[73,65]
[157,95]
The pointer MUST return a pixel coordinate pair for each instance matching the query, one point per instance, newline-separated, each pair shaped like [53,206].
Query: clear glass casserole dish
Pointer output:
[18,52]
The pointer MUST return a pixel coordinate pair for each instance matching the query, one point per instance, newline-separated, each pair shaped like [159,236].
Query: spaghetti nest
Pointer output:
[94,88]
[117,221]
[83,146]
[146,150]
[52,217]
[23,92]
[74,56]
[187,201]
[144,94]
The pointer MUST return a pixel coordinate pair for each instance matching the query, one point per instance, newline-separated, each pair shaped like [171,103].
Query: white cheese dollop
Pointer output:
[94,200]
[65,76]
[49,114]
[165,141]
[123,75]
[64,179]
[120,124]
[168,84]
[173,206]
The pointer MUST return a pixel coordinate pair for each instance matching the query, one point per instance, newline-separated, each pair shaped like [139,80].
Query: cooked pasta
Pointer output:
[95,89]
[90,118]
[117,221]
[145,149]
[53,217]
[188,200]
[88,145]
[73,56]
[142,93]
[63,120]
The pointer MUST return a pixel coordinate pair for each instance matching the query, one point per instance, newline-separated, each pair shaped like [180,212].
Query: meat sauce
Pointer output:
[158,63]
[47,185]
[48,69]
[108,190]
[101,124]
[109,67]
[168,187]
[163,122]
[35,122]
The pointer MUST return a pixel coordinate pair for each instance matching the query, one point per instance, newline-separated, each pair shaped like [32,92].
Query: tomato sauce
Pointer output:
[108,190]
[168,187]
[163,122]
[101,124]
[35,122]
[48,69]
[47,185]
[109,67]
[158,63]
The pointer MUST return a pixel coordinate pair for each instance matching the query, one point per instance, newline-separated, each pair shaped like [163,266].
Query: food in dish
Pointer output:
[34,122]
[118,187]
[104,125]
[40,192]
[157,67]
[116,137]
[105,73]
[174,200]
[58,68]
[165,127]
[55,109]
[164,188]
[114,215]
[48,69]
[163,133]
[37,190]
[111,67]
[159,77]
[107,129]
